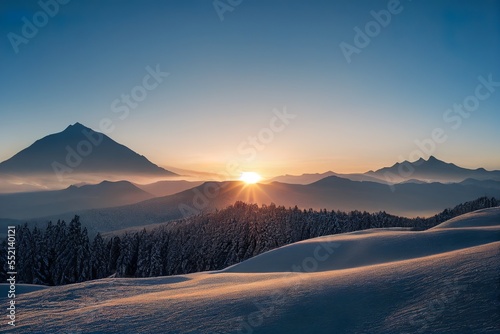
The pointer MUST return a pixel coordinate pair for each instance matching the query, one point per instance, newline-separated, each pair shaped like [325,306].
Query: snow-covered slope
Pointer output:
[485,217]
[20,288]
[444,280]
[364,248]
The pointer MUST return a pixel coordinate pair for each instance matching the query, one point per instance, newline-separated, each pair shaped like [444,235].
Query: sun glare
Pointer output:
[250,177]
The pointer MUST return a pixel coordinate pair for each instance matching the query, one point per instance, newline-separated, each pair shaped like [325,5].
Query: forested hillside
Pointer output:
[63,253]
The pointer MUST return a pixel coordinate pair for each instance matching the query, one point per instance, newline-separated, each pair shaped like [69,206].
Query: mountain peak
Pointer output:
[430,160]
[76,127]
[419,161]
[433,159]
[78,149]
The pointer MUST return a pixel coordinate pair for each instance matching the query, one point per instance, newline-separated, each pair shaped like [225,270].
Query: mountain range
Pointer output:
[80,154]
[331,193]
[419,171]
[431,170]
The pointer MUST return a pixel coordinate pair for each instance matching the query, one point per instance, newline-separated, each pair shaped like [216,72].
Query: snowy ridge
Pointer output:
[479,218]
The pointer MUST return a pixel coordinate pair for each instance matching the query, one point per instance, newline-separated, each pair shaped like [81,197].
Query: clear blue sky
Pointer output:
[226,77]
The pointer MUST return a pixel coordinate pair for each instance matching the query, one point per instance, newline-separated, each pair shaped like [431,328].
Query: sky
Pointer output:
[272,86]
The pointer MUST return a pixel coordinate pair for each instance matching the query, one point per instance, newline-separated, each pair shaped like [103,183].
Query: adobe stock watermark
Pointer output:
[120,106]
[321,253]
[453,117]
[223,6]
[248,148]
[30,28]
[363,37]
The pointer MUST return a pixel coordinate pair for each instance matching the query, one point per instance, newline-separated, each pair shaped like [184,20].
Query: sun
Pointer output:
[250,177]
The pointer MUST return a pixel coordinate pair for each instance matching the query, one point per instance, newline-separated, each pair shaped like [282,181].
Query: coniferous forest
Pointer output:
[63,253]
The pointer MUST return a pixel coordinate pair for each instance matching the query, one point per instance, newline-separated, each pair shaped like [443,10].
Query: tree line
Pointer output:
[62,253]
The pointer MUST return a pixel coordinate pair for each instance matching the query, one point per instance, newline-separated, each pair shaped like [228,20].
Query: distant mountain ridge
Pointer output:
[165,188]
[331,193]
[432,170]
[421,170]
[311,178]
[74,198]
[79,149]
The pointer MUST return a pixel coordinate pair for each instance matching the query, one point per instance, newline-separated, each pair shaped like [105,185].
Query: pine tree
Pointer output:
[114,249]
[25,255]
[126,264]
[99,258]
[72,257]
[144,254]
[83,257]
[57,251]
[41,273]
